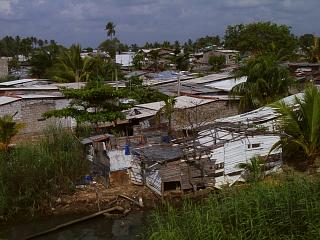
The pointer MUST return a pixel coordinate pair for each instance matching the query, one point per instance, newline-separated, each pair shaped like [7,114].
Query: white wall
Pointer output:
[125,59]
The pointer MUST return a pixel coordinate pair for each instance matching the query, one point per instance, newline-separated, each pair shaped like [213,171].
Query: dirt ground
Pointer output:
[95,197]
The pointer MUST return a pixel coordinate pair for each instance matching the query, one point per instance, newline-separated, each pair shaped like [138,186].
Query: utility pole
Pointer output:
[179,84]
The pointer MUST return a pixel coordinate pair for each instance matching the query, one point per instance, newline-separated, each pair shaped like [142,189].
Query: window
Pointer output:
[254,145]
[219,166]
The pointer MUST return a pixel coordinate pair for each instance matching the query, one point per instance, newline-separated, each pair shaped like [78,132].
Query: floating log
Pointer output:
[117,208]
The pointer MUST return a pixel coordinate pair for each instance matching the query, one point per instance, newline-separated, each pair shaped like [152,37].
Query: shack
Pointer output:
[110,156]
[211,156]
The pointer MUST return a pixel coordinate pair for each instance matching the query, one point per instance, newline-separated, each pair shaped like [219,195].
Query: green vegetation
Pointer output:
[32,175]
[8,129]
[301,125]
[267,82]
[254,169]
[14,46]
[167,110]
[286,210]
[217,62]
[111,29]
[71,67]
[93,103]
[260,37]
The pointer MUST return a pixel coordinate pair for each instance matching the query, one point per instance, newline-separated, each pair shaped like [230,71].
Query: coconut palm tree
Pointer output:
[8,129]
[72,67]
[111,29]
[266,82]
[301,126]
[313,52]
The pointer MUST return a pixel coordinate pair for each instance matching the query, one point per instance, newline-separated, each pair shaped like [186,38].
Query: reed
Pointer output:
[290,210]
[33,174]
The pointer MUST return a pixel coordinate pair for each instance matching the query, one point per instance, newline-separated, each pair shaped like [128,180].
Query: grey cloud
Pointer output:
[83,21]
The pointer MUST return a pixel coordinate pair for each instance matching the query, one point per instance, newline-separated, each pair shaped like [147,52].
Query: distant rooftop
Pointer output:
[181,103]
[210,78]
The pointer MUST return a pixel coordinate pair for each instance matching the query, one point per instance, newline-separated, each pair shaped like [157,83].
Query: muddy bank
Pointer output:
[95,197]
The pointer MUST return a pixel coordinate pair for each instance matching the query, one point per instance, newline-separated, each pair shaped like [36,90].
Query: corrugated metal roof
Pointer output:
[16,82]
[6,100]
[227,85]
[261,114]
[210,78]
[158,153]
[37,96]
[181,103]
[138,113]
[96,138]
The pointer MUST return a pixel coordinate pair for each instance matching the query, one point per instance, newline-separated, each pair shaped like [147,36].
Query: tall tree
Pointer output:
[92,104]
[154,56]
[266,82]
[313,51]
[111,29]
[259,37]
[43,59]
[71,66]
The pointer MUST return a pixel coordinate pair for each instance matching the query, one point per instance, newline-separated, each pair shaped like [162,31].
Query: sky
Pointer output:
[138,21]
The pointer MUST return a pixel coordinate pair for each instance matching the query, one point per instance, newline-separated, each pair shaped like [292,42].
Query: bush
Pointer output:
[31,175]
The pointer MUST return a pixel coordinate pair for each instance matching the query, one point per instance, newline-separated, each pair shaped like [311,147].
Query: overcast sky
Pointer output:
[138,21]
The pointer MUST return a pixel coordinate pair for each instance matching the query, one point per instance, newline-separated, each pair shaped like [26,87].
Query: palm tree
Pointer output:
[313,52]
[154,55]
[253,169]
[167,110]
[72,67]
[301,126]
[8,129]
[266,82]
[111,29]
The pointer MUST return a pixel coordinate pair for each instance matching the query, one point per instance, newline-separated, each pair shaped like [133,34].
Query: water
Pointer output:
[127,228]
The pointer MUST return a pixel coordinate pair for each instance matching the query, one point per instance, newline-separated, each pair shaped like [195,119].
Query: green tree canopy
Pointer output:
[260,37]
[111,29]
[266,82]
[43,59]
[112,46]
[92,104]
[217,62]
[70,66]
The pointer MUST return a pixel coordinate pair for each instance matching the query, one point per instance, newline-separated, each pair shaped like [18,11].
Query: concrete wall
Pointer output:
[3,67]
[29,112]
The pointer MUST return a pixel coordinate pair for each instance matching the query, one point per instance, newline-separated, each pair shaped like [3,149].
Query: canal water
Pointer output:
[130,227]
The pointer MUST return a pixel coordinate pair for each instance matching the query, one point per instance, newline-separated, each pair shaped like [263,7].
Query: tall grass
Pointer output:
[32,174]
[262,211]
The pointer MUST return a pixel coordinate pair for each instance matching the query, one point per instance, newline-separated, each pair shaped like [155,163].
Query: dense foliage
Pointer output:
[217,62]
[32,175]
[288,210]
[260,37]
[92,104]
[301,125]
[8,129]
[266,82]
[14,46]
